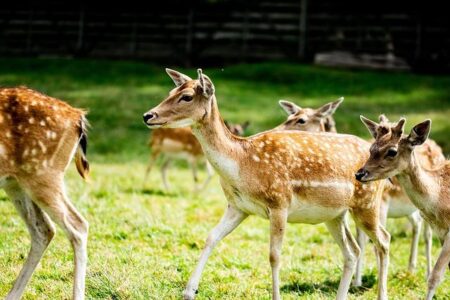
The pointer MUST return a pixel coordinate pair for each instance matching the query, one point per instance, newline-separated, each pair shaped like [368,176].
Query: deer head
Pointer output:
[186,104]
[391,152]
[237,129]
[307,119]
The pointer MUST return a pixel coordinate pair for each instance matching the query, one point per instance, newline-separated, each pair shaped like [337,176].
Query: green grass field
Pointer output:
[144,242]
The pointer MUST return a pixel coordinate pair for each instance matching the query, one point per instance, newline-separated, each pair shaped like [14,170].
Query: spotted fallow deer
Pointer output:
[396,203]
[39,136]
[175,143]
[395,154]
[283,176]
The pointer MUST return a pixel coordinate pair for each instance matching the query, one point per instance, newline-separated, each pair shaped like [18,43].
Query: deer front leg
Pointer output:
[41,231]
[416,222]
[369,221]
[165,165]
[278,220]
[230,220]
[439,268]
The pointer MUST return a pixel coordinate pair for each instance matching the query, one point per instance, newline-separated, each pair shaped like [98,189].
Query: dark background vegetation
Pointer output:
[221,32]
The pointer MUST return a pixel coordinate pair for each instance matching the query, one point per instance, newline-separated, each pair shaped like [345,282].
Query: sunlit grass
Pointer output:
[144,242]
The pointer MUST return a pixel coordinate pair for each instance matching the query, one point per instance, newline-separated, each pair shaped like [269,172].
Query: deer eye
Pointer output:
[391,153]
[186,98]
[301,121]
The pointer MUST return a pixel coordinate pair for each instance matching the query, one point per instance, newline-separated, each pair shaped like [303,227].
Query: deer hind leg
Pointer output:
[230,220]
[428,237]
[41,231]
[278,220]
[153,157]
[164,166]
[416,221]
[369,222]
[437,273]
[49,194]
[343,237]
[209,172]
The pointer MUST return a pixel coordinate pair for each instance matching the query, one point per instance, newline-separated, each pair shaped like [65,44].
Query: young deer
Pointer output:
[394,153]
[396,203]
[284,176]
[39,136]
[309,119]
[174,143]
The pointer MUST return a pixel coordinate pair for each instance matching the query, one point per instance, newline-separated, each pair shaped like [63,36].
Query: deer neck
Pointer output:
[419,183]
[221,147]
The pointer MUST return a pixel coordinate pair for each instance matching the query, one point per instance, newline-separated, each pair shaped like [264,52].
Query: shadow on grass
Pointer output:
[150,191]
[328,287]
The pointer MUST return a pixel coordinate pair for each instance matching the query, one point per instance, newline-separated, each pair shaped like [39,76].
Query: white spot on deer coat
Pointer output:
[2,151]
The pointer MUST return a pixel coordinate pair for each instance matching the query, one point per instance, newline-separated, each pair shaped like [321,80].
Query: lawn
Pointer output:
[144,242]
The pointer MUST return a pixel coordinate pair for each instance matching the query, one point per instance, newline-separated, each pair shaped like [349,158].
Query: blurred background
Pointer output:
[376,34]
[389,57]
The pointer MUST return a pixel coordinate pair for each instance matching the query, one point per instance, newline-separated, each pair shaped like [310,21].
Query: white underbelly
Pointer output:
[400,209]
[310,213]
[299,212]
[251,207]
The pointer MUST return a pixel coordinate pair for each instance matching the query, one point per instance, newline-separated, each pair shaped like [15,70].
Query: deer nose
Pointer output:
[360,174]
[149,116]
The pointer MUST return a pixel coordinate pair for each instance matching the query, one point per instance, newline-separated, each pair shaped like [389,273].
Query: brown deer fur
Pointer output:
[181,143]
[284,176]
[39,135]
[395,202]
[394,153]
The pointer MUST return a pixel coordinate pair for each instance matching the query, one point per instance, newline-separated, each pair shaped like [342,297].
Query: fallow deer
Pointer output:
[396,203]
[395,154]
[176,143]
[284,176]
[39,136]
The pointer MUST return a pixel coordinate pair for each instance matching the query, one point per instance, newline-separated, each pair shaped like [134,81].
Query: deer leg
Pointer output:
[49,194]
[428,236]
[361,239]
[41,231]
[437,273]
[278,220]
[368,220]
[165,165]
[153,157]
[416,222]
[230,220]
[193,164]
[210,173]
[350,250]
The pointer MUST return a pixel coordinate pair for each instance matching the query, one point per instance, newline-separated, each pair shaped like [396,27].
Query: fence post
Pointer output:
[302,29]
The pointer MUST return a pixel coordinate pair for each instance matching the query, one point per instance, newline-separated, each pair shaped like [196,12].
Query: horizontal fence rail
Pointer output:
[217,32]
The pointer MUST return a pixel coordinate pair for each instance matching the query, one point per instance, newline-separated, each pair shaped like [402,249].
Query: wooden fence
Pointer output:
[217,32]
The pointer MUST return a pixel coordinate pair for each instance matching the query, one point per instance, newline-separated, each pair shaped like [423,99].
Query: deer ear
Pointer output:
[398,129]
[329,108]
[206,84]
[289,107]
[371,126]
[383,119]
[177,77]
[419,133]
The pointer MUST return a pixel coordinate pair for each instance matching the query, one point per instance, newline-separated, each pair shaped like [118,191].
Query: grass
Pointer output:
[144,242]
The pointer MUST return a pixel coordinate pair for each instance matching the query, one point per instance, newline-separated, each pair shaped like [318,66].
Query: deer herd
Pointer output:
[301,171]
